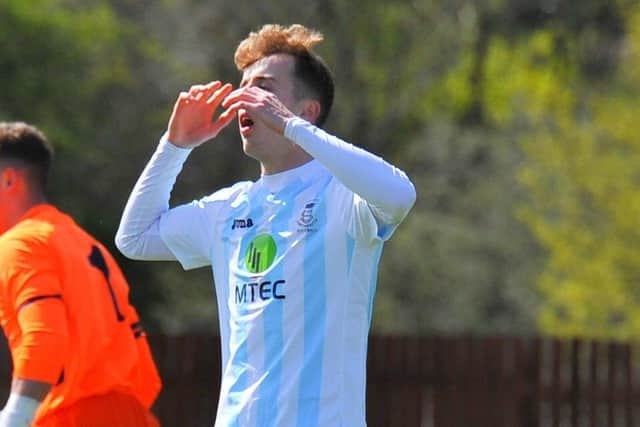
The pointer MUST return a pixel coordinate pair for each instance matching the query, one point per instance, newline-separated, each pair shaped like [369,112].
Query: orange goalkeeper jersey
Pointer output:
[87,338]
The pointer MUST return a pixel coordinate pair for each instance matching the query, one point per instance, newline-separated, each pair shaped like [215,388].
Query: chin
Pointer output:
[249,149]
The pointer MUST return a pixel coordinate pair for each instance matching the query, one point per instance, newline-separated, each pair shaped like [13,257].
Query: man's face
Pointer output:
[274,74]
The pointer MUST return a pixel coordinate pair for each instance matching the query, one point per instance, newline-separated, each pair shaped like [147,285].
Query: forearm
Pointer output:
[21,407]
[138,236]
[36,390]
[38,360]
[386,188]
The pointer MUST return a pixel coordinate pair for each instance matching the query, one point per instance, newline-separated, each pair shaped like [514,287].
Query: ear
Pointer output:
[9,179]
[311,110]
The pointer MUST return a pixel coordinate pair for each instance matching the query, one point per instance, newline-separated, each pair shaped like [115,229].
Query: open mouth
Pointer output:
[245,120]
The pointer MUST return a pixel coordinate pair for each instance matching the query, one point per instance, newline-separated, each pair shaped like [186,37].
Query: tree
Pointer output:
[71,70]
[583,177]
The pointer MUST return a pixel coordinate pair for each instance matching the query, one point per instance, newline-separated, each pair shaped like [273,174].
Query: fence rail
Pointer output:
[436,381]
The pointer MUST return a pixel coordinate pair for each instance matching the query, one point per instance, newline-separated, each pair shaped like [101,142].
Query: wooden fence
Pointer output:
[437,382]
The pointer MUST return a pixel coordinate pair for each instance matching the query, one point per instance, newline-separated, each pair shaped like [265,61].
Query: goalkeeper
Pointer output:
[80,356]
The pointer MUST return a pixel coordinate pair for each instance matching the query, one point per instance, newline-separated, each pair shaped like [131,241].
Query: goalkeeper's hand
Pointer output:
[19,411]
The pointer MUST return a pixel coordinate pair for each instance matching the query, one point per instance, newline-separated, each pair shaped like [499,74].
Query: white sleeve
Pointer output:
[190,230]
[387,190]
[187,233]
[138,236]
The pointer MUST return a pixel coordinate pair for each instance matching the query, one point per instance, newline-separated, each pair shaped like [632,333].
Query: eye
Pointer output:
[264,86]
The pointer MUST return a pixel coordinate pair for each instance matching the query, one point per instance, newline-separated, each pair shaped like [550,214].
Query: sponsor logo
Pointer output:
[242,223]
[259,257]
[260,253]
[252,292]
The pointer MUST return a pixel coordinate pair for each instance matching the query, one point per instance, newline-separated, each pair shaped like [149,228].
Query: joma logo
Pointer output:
[242,223]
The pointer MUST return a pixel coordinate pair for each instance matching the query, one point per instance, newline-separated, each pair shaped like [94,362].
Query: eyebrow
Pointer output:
[258,79]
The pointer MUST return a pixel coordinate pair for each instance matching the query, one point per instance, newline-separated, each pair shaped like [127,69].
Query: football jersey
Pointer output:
[47,256]
[294,258]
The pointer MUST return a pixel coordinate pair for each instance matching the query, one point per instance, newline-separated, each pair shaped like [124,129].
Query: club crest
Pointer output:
[308,217]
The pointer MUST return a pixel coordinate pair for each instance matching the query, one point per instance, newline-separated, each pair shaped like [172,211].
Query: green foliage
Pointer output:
[71,70]
[515,120]
[585,209]
[462,261]
[54,60]
[582,177]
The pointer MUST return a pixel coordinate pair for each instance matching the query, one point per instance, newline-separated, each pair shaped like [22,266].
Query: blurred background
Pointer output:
[516,119]
[513,283]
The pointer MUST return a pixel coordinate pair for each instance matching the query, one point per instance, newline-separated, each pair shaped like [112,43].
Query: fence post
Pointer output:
[575,383]
[528,362]
[593,385]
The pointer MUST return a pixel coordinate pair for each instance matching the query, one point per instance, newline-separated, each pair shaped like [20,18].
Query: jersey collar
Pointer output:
[37,210]
[307,172]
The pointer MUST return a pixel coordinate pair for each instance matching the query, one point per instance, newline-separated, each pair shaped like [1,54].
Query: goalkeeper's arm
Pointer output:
[37,360]
[23,403]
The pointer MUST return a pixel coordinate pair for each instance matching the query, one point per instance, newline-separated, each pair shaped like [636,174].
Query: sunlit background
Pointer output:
[518,121]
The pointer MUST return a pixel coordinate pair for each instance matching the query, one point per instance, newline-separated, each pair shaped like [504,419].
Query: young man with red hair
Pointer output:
[295,253]
[80,356]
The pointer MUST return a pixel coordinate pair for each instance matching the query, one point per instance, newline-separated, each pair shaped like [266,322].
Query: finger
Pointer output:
[198,92]
[237,95]
[183,98]
[221,122]
[193,90]
[227,115]
[211,87]
[231,97]
[216,97]
[213,84]
[233,108]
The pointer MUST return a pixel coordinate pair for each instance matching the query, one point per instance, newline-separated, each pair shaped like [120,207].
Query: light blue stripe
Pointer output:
[374,280]
[314,325]
[240,361]
[274,325]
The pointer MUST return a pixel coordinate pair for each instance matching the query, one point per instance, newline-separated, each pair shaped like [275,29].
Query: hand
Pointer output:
[13,420]
[20,410]
[261,105]
[192,122]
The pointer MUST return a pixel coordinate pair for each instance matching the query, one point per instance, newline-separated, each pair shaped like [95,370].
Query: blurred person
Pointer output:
[80,355]
[294,254]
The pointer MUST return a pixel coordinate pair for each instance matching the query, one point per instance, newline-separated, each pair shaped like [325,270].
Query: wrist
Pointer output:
[166,142]
[19,411]
[290,124]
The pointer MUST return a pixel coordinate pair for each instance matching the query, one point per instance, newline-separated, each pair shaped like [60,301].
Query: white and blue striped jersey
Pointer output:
[295,258]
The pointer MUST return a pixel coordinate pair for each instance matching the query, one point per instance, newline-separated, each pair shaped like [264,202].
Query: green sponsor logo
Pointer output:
[260,253]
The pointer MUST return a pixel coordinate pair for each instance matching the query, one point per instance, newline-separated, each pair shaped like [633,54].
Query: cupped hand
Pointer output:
[192,121]
[261,105]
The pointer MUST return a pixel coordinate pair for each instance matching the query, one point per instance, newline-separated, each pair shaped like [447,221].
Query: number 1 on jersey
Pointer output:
[96,259]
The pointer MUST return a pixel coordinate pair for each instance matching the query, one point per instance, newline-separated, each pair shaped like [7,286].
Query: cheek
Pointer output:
[4,223]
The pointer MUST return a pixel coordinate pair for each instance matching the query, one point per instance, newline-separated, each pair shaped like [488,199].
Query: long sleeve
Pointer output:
[387,189]
[43,344]
[138,236]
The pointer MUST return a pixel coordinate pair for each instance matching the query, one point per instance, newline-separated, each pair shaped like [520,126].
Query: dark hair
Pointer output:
[311,72]
[315,77]
[26,146]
